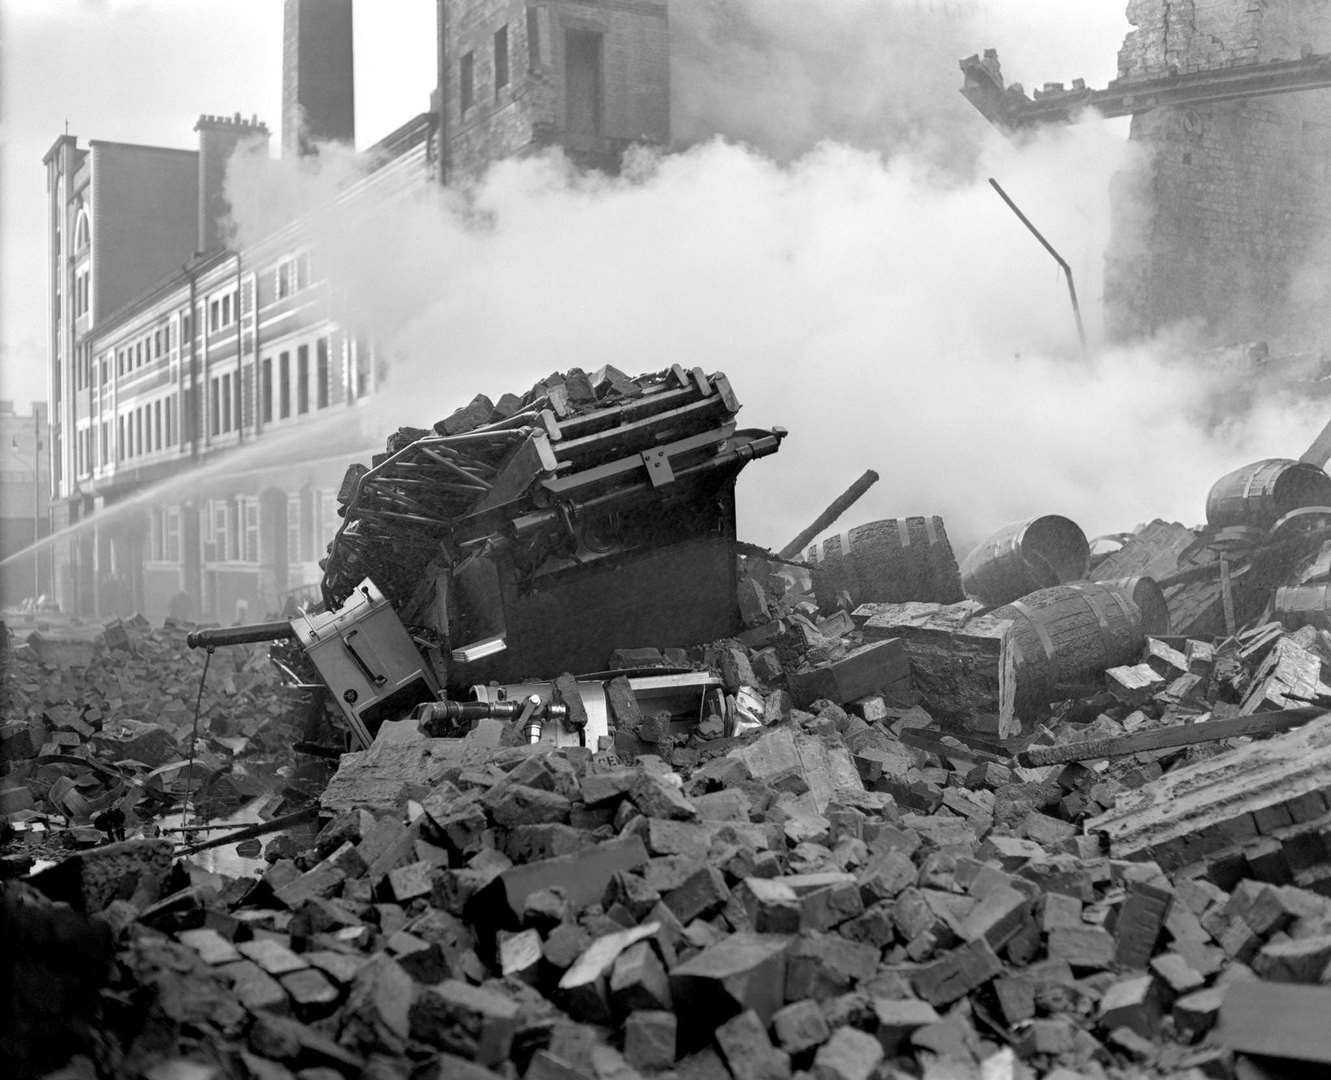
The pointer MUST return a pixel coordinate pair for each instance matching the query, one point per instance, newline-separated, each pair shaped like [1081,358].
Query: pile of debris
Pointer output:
[550,913]
[1039,814]
[95,741]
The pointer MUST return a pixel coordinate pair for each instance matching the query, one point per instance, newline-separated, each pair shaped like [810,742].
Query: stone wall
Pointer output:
[528,112]
[1232,200]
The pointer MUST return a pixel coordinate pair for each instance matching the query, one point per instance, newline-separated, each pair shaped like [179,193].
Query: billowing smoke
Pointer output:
[890,315]
[784,75]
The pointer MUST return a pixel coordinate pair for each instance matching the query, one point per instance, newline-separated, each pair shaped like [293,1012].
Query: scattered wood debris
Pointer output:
[903,837]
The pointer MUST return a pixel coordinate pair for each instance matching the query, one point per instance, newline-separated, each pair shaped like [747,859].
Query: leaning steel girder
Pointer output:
[1009,107]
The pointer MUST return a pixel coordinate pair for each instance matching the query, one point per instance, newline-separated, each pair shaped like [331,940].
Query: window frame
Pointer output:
[501,60]
[467,81]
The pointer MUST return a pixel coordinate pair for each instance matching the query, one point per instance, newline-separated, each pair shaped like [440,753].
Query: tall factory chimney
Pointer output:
[318,84]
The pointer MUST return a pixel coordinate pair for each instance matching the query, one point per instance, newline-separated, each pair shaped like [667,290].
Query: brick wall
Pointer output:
[531,110]
[1232,199]
[144,221]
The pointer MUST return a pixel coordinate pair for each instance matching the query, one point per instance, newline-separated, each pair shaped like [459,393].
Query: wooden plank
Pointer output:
[1283,1020]
[1265,723]
[957,749]
[1288,676]
[1169,811]
[1152,551]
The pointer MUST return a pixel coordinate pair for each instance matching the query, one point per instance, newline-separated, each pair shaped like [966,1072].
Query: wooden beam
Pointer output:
[1266,723]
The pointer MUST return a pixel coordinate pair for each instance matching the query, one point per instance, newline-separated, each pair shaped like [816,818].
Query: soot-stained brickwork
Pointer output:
[592,76]
[1230,210]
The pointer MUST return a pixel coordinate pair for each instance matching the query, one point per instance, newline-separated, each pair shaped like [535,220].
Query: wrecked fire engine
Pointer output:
[561,779]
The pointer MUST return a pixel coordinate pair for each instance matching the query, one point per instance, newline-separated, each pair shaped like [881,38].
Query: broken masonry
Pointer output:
[883,811]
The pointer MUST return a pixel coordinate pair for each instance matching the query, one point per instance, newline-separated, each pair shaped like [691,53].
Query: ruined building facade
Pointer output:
[1230,211]
[173,354]
[590,76]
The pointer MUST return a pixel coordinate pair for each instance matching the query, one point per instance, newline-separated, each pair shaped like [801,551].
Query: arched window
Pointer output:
[81,235]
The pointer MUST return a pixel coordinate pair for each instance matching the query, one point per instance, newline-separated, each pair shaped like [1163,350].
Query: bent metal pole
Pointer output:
[1062,262]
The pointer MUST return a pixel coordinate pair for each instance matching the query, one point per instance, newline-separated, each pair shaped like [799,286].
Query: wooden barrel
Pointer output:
[1303,605]
[1259,493]
[1069,634]
[1149,598]
[889,562]
[1023,557]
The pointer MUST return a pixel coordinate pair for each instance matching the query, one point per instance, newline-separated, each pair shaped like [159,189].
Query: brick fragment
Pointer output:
[513,804]
[520,955]
[1132,1003]
[564,945]
[378,1003]
[826,900]
[849,1054]
[728,805]
[747,1050]
[800,1026]
[284,1039]
[210,945]
[545,1065]
[898,1019]
[1016,997]
[820,966]
[885,876]
[584,989]
[599,787]
[254,988]
[739,972]
[657,797]
[311,994]
[583,876]
[1057,910]
[770,904]
[1140,921]
[650,1037]
[271,955]
[997,918]
[700,893]
[1084,947]
[469,1021]
[1303,960]
[638,980]
[958,973]
[1176,973]
[408,882]
[1133,684]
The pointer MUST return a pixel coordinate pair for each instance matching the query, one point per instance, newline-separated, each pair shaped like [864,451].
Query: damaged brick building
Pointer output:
[170,348]
[1225,219]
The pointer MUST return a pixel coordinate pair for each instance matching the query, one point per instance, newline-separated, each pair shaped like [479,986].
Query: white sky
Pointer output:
[143,70]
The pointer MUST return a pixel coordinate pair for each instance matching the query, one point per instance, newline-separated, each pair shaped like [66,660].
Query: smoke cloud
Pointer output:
[891,313]
[784,75]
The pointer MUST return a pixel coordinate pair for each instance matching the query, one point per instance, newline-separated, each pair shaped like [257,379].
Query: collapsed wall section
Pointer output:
[1230,206]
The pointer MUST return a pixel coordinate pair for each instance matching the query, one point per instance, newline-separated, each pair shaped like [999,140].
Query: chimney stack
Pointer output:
[318,83]
[218,138]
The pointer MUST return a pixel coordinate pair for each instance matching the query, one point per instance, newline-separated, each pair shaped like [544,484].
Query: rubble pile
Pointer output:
[842,894]
[1042,814]
[95,736]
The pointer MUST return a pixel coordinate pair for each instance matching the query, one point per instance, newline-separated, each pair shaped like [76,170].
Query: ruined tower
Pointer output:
[1229,212]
